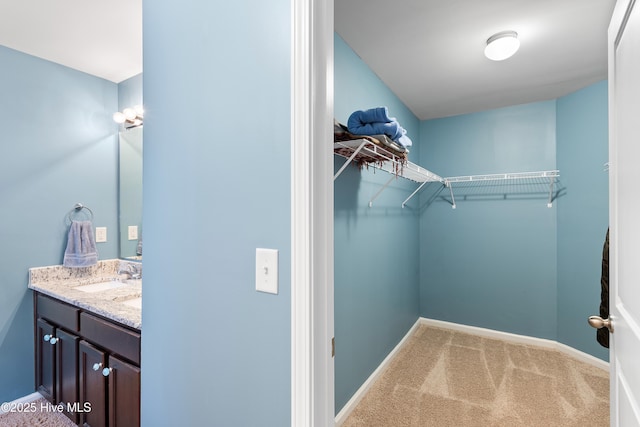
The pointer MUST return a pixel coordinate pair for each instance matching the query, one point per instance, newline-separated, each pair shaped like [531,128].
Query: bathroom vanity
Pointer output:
[87,344]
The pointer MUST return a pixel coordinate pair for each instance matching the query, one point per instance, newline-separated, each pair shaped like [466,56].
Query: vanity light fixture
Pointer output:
[502,45]
[130,117]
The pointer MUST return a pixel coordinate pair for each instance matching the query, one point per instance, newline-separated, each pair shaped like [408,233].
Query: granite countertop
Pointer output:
[61,283]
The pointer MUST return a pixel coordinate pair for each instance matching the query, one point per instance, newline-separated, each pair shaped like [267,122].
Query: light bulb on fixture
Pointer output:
[129,113]
[502,45]
[131,117]
[118,117]
[139,110]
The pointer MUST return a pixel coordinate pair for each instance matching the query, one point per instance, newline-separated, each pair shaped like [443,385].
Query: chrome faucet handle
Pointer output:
[133,270]
[128,273]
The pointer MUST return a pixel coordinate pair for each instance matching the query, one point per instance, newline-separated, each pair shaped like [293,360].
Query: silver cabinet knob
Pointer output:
[53,340]
[106,372]
[598,322]
[97,366]
[47,337]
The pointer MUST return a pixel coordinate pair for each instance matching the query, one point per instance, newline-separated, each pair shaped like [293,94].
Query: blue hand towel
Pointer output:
[81,246]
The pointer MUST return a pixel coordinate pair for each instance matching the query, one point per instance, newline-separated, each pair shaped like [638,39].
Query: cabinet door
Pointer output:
[124,394]
[67,370]
[93,385]
[45,360]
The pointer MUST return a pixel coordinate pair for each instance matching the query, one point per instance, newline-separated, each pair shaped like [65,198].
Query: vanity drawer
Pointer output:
[57,312]
[116,339]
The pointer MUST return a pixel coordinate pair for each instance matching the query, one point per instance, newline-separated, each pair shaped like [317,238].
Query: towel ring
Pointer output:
[77,208]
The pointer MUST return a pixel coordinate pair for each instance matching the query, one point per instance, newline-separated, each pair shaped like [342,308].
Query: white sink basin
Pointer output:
[134,302]
[102,286]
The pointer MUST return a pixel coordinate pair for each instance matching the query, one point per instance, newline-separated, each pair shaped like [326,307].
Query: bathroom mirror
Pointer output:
[130,199]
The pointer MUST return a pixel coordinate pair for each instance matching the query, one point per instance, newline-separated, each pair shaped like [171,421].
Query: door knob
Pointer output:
[598,322]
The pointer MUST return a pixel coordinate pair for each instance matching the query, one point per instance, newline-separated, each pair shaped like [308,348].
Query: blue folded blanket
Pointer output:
[372,115]
[376,121]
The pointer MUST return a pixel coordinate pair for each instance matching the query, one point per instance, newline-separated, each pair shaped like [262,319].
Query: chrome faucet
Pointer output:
[134,271]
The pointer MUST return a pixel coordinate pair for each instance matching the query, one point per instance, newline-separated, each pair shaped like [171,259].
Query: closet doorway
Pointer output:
[312,305]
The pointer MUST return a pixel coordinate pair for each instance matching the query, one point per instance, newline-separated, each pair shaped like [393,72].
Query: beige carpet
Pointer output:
[445,378]
[35,414]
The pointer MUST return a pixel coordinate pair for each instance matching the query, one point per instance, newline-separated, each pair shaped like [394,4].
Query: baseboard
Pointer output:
[6,407]
[520,339]
[358,395]
[488,333]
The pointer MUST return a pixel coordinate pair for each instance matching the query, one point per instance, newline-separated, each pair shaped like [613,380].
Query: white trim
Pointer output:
[24,399]
[312,385]
[520,339]
[358,395]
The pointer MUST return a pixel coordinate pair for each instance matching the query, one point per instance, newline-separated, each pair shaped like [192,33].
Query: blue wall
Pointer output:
[376,249]
[59,148]
[492,261]
[583,214]
[216,187]
[130,92]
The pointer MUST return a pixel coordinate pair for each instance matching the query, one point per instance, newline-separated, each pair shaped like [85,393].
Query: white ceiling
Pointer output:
[99,37]
[430,52]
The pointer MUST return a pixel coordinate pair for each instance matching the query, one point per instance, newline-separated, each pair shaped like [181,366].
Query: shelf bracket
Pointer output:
[349,160]
[381,190]
[550,204]
[414,193]
[453,200]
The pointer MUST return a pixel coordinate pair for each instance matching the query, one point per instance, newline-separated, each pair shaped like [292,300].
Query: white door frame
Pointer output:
[312,370]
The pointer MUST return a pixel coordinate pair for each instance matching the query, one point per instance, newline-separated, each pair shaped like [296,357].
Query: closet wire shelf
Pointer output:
[365,152]
[369,154]
[550,175]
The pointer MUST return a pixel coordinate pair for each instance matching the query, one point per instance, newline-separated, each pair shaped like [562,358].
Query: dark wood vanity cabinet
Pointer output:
[124,393]
[56,358]
[89,364]
[45,360]
[117,393]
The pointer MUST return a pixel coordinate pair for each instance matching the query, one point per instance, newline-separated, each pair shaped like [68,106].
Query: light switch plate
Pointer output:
[101,234]
[267,270]
[132,232]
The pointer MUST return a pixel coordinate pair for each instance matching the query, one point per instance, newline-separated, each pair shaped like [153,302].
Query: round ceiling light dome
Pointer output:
[502,45]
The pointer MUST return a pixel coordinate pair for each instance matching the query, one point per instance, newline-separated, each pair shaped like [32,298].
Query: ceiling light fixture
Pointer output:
[130,117]
[502,45]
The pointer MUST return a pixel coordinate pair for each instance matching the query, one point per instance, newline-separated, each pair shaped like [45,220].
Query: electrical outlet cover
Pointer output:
[101,234]
[132,232]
